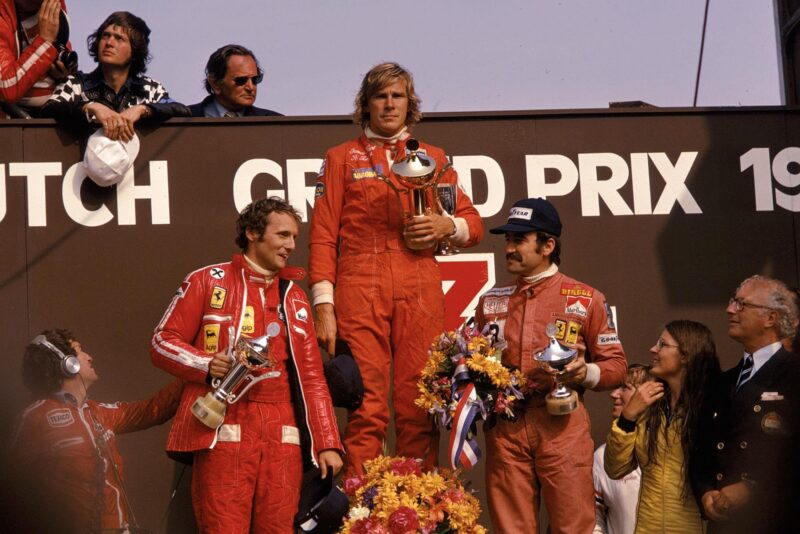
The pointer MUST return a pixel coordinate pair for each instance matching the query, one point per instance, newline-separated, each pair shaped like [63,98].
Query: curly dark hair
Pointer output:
[138,33]
[376,79]
[254,217]
[217,66]
[702,366]
[41,368]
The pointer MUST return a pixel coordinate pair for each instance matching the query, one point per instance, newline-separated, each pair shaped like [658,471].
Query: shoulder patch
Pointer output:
[319,190]
[59,417]
[217,273]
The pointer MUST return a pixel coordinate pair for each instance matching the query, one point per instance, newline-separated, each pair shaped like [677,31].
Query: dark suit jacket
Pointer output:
[197,110]
[753,434]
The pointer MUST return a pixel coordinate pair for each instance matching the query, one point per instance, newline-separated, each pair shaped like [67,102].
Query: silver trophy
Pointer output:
[249,356]
[448,199]
[562,400]
[416,173]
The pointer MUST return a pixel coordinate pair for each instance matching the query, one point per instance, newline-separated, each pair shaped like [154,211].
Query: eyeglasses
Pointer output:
[739,304]
[241,80]
[660,344]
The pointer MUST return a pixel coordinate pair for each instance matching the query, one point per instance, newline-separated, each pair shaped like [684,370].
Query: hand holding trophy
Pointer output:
[416,172]
[249,355]
[562,400]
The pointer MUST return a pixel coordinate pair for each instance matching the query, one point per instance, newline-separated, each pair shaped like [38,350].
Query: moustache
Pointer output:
[513,256]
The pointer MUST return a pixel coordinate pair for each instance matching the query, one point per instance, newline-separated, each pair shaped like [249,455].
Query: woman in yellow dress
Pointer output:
[657,430]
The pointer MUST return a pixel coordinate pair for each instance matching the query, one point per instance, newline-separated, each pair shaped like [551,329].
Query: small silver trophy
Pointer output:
[562,400]
[249,355]
[448,199]
[416,173]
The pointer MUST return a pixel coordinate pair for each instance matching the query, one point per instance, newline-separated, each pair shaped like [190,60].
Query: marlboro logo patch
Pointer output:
[211,338]
[578,306]
[218,297]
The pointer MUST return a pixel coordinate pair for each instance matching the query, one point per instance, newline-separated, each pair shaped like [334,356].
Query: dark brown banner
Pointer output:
[664,211]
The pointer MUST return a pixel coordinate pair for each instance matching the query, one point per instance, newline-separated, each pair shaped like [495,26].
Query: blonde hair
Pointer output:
[376,79]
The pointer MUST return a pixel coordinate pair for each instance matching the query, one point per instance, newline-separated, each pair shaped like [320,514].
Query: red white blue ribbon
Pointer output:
[464,448]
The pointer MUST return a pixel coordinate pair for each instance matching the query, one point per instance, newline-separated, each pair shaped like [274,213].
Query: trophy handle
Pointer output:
[251,381]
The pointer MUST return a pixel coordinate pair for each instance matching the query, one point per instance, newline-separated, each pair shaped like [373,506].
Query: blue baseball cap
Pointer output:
[530,215]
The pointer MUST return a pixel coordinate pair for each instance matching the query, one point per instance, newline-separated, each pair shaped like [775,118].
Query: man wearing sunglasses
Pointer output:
[232,78]
[747,469]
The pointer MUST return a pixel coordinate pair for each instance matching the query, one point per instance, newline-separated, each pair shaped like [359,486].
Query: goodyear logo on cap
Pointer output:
[521,213]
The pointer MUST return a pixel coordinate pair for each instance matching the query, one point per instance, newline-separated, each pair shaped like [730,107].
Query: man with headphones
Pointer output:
[65,443]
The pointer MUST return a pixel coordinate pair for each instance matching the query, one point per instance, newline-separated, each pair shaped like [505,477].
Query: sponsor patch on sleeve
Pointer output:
[319,190]
[181,292]
[60,417]
[302,311]
[217,273]
[607,339]
[322,169]
[610,316]
[218,297]
[211,338]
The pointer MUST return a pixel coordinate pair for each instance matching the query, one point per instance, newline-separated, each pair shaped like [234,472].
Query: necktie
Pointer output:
[230,114]
[747,371]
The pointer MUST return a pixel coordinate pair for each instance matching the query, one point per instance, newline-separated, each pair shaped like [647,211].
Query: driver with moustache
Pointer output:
[247,473]
[543,456]
[388,303]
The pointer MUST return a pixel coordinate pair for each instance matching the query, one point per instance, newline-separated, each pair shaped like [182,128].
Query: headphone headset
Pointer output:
[70,365]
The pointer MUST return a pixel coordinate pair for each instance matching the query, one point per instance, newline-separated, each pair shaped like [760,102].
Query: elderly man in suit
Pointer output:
[232,78]
[747,470]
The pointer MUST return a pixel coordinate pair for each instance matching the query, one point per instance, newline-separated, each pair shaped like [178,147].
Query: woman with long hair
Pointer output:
[657,430]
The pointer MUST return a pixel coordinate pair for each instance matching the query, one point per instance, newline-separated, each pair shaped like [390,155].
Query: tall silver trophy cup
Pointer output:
[416,172]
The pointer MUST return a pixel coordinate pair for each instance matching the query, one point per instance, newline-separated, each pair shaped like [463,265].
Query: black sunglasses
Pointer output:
[241,80]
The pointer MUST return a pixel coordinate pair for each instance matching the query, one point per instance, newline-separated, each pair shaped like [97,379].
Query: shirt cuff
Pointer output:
[462,231]
[592,376]
[626,425]
[322,292]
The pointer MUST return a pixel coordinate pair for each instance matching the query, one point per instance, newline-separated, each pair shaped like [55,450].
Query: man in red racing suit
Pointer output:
[388,302]
[247,473]
[65,444]
[539,452]
[28,65]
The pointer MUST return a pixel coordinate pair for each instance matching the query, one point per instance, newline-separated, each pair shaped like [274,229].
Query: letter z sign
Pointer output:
[465,277]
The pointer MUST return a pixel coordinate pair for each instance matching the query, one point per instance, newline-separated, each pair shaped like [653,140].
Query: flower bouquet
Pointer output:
[464,378]
[394,496]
